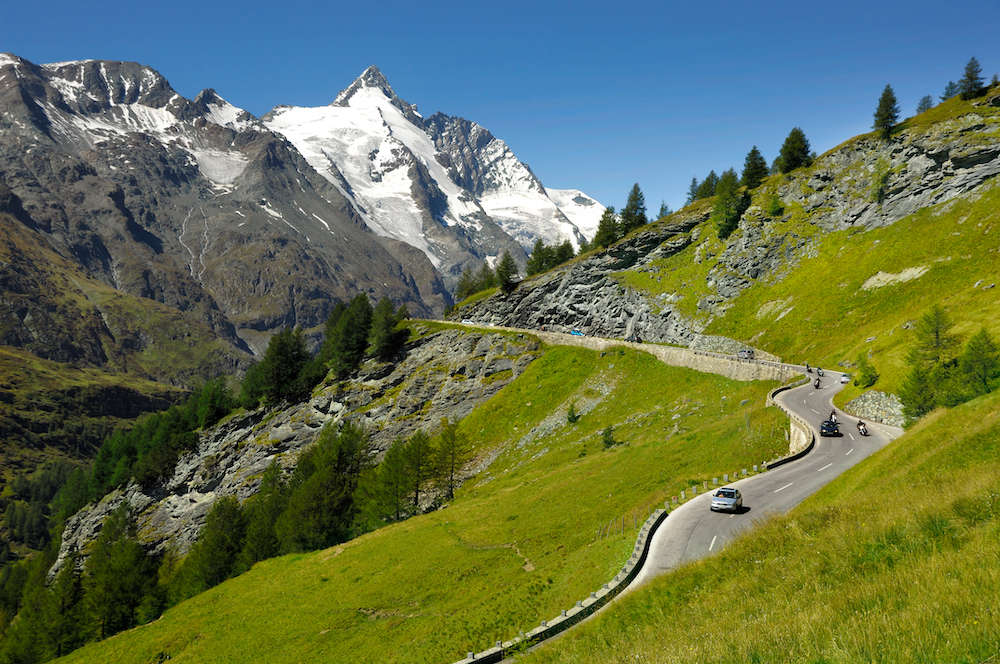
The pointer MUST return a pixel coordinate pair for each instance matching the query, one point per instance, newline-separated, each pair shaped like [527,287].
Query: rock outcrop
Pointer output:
[585,294]
[442,374]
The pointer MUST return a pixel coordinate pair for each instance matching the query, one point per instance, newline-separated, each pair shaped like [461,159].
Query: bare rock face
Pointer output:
[443,374]
[585,295]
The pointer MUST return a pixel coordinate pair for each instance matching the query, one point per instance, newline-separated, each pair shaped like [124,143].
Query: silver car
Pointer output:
[727,499]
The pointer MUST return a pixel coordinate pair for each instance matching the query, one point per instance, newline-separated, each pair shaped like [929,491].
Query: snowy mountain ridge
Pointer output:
[407,174]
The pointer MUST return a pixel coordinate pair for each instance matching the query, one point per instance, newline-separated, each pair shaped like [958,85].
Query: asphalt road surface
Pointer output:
[693,531]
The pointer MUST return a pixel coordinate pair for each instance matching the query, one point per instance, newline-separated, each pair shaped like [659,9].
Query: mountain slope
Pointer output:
[444,185]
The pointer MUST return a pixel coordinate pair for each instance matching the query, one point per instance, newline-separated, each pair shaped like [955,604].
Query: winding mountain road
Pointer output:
[693,531]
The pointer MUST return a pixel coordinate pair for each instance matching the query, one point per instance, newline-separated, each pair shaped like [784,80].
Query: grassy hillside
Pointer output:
[895,561]
[518,544]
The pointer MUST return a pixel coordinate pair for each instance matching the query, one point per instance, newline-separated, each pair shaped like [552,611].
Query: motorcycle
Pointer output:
[833,416]
[816,384]
[808,368]
[862,429]
[819,372]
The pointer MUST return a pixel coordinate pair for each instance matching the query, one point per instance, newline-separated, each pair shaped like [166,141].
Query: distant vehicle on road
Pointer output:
[745,354]
[844,378]
[577,333]
[819,372]
[634,338]
[727,499]
[467,321]
[830,428]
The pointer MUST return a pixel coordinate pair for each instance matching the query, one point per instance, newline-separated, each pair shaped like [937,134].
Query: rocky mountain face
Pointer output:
[194,205]
[242,226]
[443,184]
[864,183]
[585,294]
[442,374]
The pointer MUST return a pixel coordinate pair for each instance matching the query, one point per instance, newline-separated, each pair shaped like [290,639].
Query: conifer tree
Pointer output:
[980,363]
[538,259]
[692,192]
[950,90]
[925,104]
[506,272]
[384,338]
[754,169]
[419,463]
[607,228]
[794,151]
[350,336]
[886,114]
[935,344]
[730,204]
[972,81]
[452,453]
[707,187]
[466,285]
[633,215]
[665,210]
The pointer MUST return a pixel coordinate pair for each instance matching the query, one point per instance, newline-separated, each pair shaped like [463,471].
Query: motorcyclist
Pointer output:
[862,428]
[816,384]
[833,415]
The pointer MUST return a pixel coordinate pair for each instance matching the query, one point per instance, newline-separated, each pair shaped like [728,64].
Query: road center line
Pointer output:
[849,452]
[784,487]
[814,410]
[824,467]
[712,544]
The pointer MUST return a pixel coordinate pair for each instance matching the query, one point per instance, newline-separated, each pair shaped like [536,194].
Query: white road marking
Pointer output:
[824,467]
[712,544]
[851,435]
[849,452]
[784,487]
[814,410]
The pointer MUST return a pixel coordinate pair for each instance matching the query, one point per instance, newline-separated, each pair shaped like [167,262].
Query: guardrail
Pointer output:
[583,608]
[795,419]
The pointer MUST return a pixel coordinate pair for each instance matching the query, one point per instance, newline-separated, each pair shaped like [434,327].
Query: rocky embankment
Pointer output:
[443,374]
[584,294]
[866,182]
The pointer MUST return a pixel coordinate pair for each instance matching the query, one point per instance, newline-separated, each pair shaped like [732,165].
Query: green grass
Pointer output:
[518,544]
[821,314]
[896,561]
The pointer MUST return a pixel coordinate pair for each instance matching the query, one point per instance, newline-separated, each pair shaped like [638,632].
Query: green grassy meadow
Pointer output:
[896,561]
[518,544]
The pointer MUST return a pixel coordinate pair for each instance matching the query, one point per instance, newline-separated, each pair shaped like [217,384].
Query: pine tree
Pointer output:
[886,114]
[262,511]
[935,344]
[538,259]
[707,187]
[451,454]
[980,363]
[925,104]
[485,278]
[665,210]
[950,90]
[754,169]
[607,228]
[466,285]
[917,393]
[350,336]
[972,81]
[394,481]
[692,193]
[419,463]
[730,204]
[633,215]
[562,253]
[794,152]
[507,276]
[384,337]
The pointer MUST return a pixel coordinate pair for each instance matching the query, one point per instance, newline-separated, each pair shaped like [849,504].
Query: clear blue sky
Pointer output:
[592,95]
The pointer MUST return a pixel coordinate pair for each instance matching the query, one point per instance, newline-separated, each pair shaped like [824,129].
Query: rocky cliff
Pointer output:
[864,183]
[443,374]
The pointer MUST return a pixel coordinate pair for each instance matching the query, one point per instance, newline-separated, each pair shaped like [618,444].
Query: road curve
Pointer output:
[693,531]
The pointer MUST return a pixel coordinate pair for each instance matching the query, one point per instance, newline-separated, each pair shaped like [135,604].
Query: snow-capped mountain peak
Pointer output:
[412,176]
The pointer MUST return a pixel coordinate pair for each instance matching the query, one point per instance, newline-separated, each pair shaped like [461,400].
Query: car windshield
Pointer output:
[727,493]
